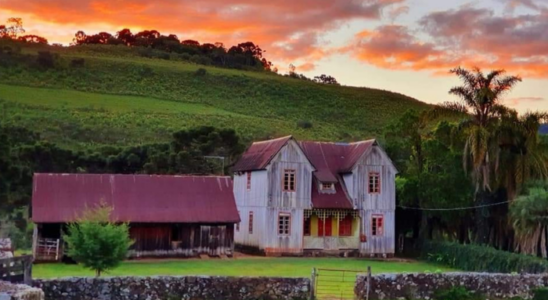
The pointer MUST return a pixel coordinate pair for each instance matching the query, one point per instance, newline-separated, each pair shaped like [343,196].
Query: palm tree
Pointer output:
[481,107]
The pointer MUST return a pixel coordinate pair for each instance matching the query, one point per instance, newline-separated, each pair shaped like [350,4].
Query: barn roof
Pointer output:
[59,198]
[259,154]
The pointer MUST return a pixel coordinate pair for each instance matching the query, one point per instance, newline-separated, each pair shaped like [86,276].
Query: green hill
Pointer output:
[116,97]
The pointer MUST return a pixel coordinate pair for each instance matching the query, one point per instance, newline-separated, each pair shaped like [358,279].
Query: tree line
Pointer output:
[243,54]
[477,160]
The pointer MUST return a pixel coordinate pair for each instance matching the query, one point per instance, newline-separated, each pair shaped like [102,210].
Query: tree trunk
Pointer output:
[481,218]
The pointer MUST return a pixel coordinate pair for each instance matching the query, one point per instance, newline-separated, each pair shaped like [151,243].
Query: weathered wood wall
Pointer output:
[181,239]
[383,203]
[267,200]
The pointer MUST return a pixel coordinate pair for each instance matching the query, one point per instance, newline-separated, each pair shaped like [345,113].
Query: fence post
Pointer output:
[312,283]
[27,270]
[368,282]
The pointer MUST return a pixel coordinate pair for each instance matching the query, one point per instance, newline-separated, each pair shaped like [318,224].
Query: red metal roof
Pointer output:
[339,199]
[331,159]
[60,198]
[259,155]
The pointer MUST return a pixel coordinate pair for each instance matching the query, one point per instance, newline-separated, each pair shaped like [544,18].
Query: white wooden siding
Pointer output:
[385,244]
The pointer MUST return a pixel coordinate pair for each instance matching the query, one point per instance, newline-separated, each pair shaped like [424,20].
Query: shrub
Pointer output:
[96,242]
[304,124]
[200,72]
[46,59]
[456,293]
[540,294]
[481,258]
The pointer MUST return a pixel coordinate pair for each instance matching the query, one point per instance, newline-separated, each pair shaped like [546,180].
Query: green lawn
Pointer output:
[284,267]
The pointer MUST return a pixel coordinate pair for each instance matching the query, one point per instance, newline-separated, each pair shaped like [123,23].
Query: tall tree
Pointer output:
[481,107]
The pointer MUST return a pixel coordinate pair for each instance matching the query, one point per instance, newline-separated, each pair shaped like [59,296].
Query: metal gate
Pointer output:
[333,284]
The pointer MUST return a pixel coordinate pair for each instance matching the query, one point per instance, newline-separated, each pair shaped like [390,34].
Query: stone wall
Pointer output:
[423,286]
[175,287]
[9,291]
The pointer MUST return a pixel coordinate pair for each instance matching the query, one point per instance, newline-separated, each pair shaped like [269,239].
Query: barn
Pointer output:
[169,216]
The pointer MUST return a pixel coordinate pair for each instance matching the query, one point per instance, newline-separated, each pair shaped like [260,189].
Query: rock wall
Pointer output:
[9,291]
[423,286]
[174,287]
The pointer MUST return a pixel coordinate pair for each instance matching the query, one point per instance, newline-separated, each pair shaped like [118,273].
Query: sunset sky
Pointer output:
[405,46]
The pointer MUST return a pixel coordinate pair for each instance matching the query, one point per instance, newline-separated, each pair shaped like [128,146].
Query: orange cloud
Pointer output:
[461,37]
[288,30]
[519,100]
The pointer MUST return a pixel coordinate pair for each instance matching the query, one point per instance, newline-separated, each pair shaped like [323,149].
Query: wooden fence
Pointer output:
[16,269]
[48,250]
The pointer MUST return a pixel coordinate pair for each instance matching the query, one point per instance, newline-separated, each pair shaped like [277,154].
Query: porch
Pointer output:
[331,229]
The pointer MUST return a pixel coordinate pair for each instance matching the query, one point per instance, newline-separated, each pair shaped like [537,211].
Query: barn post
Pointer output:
[34,239]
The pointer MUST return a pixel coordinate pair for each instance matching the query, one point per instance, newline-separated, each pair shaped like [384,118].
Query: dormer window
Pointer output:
[327,186]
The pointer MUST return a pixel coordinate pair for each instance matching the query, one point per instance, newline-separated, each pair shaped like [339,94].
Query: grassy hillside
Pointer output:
[118,97]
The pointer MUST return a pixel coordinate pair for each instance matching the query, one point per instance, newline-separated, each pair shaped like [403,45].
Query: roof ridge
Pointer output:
[276,139]
[144,175]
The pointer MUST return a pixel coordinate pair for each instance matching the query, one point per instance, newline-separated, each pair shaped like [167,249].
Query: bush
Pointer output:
[456,293]
[540,294]
[200,72]
[96,242]
[481,258]
[304,124]
[46,59]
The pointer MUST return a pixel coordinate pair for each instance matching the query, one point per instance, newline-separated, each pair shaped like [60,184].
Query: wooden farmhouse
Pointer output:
[313,198]
[168,215]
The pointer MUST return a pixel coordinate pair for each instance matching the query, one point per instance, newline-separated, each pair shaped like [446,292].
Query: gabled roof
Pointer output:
[259,155]
[59,198]
[339,199]
[330,159]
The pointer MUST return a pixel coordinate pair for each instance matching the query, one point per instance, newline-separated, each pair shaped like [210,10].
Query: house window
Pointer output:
[250,222]
[345,226]
[248,180]
[374,183]
[306,226]
[284,224]
[324,226]
[289,180]
[377,225]
[327,186]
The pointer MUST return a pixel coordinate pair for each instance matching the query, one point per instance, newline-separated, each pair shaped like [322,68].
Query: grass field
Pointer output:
[283,267]
[120,98]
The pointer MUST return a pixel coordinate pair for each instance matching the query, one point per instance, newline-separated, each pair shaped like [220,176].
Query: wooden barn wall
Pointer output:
[191,239]
[383,203]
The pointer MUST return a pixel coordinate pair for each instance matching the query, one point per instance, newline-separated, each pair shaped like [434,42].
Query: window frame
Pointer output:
[324,188]
[377,221]
[290,173]
[376,189]
[284,229]
[250,223]
[248,181]
[347,227]
[307,227]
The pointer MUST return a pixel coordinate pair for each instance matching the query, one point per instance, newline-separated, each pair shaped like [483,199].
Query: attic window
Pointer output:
[327,186]
[374,183]
[289,180]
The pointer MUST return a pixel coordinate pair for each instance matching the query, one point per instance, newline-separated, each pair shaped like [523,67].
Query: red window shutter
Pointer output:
[345,226]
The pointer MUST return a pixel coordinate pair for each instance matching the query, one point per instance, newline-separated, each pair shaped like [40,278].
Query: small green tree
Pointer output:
[96,242]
